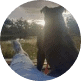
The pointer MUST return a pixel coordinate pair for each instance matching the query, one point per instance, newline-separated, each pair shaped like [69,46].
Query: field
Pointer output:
[29,45]
[77,42]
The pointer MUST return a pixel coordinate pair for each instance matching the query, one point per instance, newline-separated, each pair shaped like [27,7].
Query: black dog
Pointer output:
[58,48]
[41,53]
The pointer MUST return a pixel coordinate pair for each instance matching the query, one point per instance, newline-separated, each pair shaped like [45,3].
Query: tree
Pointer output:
[25,25]
[35,28]
[22,26]
[73,26]
[7,24]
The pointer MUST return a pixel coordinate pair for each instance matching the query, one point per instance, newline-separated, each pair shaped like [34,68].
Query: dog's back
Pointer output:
[60,51]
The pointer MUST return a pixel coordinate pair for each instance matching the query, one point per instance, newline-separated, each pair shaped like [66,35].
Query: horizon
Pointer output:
[31,11]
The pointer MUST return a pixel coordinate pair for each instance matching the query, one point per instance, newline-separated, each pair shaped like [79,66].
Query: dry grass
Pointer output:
[29,45]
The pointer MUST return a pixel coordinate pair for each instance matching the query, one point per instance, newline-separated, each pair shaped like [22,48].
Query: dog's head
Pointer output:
[56,10]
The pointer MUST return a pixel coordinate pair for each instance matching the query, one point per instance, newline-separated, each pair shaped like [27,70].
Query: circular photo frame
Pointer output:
[40,40]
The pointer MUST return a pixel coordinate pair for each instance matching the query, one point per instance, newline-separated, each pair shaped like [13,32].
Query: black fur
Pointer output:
[58,48]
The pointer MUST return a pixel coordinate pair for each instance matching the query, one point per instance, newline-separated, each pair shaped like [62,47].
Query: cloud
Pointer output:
[31,10]
[39,4]
[18,13]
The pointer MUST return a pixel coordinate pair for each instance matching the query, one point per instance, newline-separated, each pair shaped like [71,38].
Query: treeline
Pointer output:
[72,26]
[22,29]
[19,29]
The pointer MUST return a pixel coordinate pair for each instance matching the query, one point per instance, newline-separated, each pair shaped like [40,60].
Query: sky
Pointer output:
[30,11]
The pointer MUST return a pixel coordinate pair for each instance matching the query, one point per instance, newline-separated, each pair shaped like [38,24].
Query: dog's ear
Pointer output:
[44,9]
[61,8]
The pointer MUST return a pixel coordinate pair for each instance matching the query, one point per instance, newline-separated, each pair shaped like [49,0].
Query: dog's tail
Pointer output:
[17,47]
